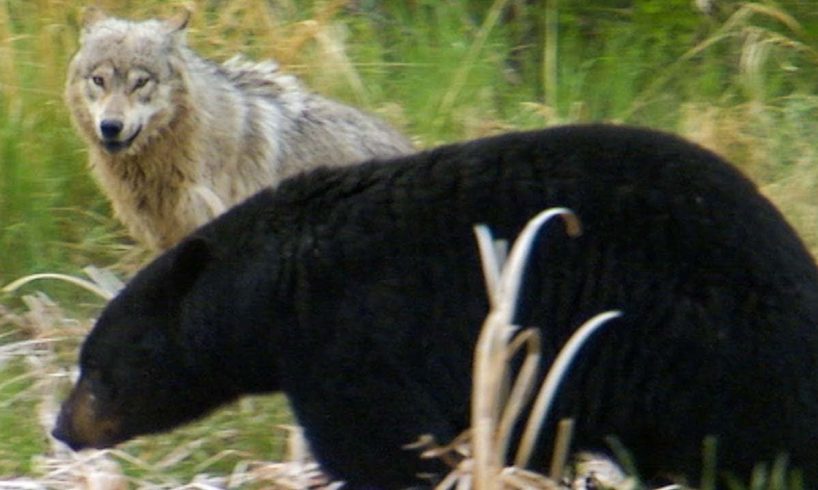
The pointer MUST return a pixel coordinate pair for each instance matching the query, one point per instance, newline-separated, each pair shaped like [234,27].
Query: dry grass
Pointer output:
[500,395]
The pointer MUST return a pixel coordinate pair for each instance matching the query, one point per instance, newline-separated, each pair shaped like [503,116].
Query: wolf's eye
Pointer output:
[98,81]
[141,82]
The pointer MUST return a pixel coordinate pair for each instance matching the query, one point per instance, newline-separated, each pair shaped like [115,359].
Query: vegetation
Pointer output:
[738,79]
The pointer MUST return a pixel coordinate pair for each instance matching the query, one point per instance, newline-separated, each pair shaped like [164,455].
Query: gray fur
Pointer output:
[187,138]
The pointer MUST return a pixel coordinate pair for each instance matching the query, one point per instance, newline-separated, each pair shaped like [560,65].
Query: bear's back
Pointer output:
[718,293]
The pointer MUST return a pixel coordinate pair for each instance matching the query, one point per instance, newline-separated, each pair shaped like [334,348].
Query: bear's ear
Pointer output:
[192,256]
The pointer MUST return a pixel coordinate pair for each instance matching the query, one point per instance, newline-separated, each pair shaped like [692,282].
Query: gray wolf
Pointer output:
[175,139]
[363,303]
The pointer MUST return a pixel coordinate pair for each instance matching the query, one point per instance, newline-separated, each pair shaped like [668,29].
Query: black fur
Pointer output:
[358,292]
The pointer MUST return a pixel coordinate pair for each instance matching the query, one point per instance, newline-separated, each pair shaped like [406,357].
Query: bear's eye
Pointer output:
[98,81]
[100,384]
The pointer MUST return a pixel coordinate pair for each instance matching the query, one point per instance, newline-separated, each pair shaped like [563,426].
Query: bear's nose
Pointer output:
[110,128]
[61,430]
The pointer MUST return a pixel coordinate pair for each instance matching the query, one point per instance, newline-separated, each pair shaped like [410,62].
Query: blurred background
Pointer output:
[737,77]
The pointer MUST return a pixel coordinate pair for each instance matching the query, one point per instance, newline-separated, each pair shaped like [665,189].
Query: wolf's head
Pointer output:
[125,78]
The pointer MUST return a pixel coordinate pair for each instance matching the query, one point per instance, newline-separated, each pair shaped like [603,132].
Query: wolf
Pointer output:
[174,139]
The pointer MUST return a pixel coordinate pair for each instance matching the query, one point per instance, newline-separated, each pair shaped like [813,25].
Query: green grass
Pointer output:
[442,70]
[20,436]
[249,430]
[740,82]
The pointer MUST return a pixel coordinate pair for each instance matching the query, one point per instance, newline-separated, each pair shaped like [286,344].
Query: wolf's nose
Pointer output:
[110,128]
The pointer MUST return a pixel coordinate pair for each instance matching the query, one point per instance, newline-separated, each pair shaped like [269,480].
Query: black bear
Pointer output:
[358,292]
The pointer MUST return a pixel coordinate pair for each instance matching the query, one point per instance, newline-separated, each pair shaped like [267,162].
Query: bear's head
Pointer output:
[138,368]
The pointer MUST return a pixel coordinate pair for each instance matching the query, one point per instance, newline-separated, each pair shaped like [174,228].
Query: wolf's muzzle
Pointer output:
[111,130]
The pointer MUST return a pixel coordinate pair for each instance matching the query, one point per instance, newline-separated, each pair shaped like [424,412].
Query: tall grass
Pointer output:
[448,70]
[741,82]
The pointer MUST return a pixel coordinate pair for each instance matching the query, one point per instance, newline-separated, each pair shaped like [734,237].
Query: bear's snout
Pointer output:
[80,426]
[62,431]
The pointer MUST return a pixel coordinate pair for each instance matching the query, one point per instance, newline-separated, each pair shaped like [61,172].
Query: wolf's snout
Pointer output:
[113,139]
[110,128]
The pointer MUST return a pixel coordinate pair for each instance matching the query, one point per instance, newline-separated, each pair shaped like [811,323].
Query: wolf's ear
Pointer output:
[178,21]
[192,256]
[91,15]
